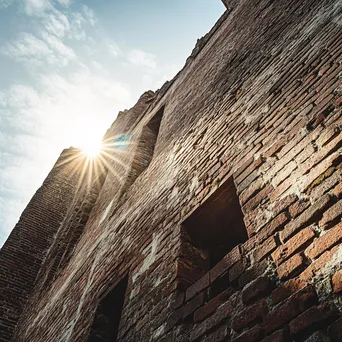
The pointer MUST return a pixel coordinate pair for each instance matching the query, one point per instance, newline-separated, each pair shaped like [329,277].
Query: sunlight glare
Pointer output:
[91,147]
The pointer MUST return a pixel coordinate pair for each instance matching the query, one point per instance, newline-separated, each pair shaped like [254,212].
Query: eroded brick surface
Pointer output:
[258,103]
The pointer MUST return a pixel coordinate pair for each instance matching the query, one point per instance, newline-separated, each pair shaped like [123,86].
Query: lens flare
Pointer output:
[91,160]
[92,149]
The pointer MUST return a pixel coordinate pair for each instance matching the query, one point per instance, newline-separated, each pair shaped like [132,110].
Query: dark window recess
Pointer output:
[106,322]
[145,148]
[210,233]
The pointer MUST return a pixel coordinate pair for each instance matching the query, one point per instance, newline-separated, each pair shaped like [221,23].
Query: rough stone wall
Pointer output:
[260,102]
[23,253]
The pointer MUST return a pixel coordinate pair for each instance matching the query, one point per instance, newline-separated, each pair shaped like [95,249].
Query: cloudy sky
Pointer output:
[68,66]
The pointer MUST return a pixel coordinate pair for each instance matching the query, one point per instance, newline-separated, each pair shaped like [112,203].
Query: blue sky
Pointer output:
[68,66]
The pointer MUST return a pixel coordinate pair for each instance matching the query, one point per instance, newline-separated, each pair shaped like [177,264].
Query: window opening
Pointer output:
[210,233]
[106,322]
[145,148]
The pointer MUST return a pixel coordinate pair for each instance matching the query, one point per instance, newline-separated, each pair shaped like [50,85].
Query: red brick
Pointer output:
[205,311]
[283,203]
[257,290]
[252,273]
[284,173]
[194,304]
[237,269]
[319,169]
[293,245]
[269,229]
[283,313]
[227,262]
[335,331]
[298,207]
[255,201]
[252,335]
[274,148]
[305,218]
[197,287]
[311,317]
[338,190]
[337,281]
[222,313]
[287,289]
[178,300]
[252,314]
[278,336]
[291,266]
[265,249]
[325,242]
[218,336]
[318,264]
[331,214]
[251,190]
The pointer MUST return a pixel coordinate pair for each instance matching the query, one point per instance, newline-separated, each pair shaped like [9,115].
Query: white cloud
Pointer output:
[36,52]
[37,123]
[5,3]
[114,49]
[65,3]
[89,15]
[142,58]
[57,23]
[36,7]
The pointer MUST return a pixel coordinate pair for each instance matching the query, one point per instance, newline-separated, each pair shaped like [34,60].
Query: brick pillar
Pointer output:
[23,253]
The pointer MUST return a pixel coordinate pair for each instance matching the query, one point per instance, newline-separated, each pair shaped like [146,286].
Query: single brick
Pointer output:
[256,290]
[287,289]
[197,287]
[310,317]
[293,245]
[237,269]
[252,335]
[335,331]
[251,315]
[194,304]
[278,336]
[265,249]
[205,311]
[222,334]
[331,214]
[291,266]
[298,207]
[338,190]
[325,242]
[251,190]
[337,281]
[255,201]
[283,203]
[252,273]
[275,225]
[227,262]
[304,219]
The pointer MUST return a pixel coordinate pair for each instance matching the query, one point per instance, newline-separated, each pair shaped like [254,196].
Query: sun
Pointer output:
[91,148]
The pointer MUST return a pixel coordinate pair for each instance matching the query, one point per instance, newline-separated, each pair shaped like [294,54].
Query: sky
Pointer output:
[68,66]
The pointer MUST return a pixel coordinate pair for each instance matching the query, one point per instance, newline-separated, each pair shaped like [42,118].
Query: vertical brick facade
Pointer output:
[258,103]
[23,253]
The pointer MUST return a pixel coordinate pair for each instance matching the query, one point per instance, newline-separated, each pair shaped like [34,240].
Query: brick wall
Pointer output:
[259,102]
[23,253]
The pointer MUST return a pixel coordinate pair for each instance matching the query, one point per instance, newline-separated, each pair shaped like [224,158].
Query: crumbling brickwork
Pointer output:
[250,132]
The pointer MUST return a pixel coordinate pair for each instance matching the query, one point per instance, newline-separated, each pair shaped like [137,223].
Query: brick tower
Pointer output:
[217,213]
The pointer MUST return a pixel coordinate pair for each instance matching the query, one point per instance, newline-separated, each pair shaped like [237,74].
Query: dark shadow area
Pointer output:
[106,322]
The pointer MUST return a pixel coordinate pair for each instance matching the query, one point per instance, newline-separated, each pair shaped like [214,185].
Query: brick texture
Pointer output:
[256,110]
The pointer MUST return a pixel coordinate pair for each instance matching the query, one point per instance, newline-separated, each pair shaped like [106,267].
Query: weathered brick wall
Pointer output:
[23,253]
[260,102]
